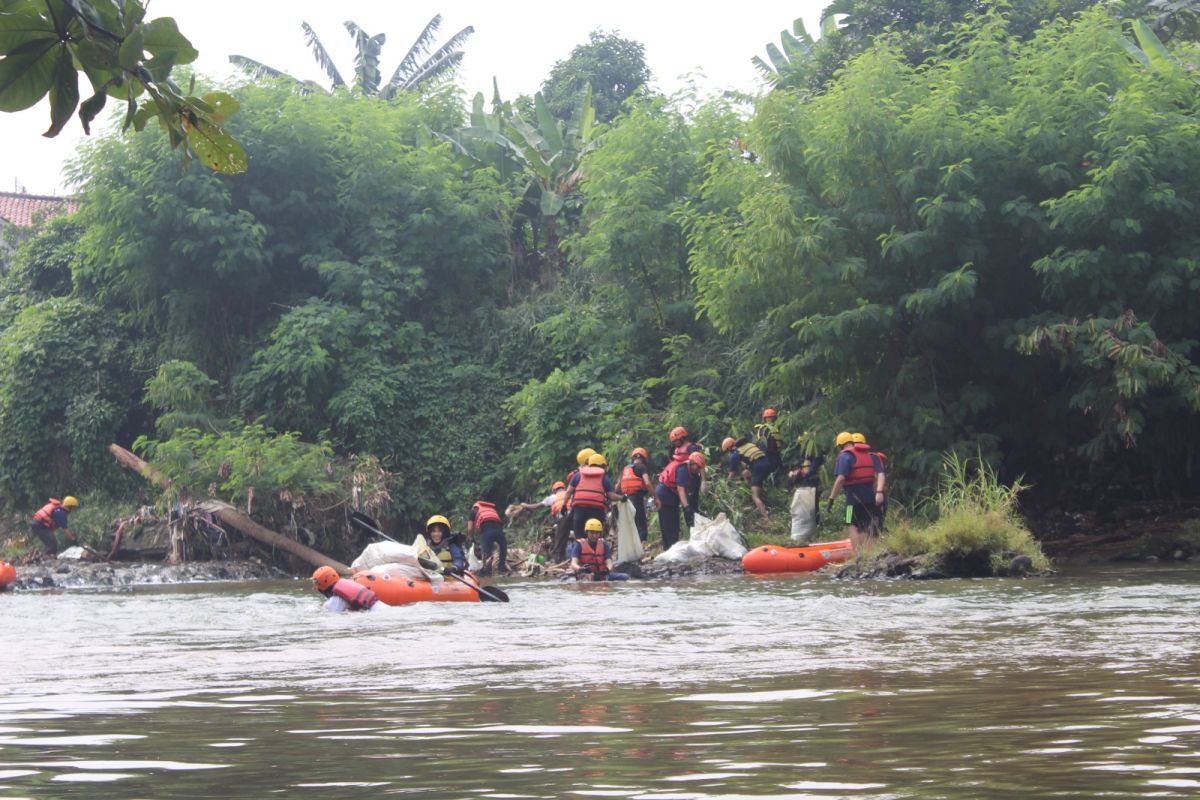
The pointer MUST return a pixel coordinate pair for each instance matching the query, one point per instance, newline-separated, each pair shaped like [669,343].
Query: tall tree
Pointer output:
[420,65]
[614,67]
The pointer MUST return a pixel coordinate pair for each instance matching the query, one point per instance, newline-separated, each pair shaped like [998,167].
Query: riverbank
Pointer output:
[69,574]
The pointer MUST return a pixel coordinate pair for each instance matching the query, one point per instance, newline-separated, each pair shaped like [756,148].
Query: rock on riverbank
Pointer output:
[62,574]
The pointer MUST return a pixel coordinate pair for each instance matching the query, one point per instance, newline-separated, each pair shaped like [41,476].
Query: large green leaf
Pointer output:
[64,92]
[547,124]
[218,150]
[27,74]
[18,29]
[551,202]
[162,40]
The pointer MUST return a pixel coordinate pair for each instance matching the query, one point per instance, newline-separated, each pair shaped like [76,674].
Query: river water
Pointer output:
[736,687]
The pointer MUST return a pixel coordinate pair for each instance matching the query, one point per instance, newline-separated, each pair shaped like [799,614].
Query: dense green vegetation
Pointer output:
[970,235]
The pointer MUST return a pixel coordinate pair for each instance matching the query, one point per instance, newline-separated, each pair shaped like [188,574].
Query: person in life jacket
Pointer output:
[682,447]
[766,436]
[635,485]
[484,517]
[807,471]
[591,559]
[747,459]
[671,493]
[859,473]
[589,493]
[52,516]
[556,501]
[343,594]
[859,438]
[444,544]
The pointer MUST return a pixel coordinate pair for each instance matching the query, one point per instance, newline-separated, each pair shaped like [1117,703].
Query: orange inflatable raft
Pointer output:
[8,574]
[772,558]
[396,589]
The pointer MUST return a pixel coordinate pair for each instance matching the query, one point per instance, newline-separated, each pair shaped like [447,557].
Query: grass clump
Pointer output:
[975,527]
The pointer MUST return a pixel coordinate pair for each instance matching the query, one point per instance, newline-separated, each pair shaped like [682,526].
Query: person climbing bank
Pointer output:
[343,594]
[766,436]
[748,459]
[448,547]
[486,519]
[54,515]
[590,556]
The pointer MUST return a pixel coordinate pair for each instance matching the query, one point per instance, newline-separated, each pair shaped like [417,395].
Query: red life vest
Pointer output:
[667,476]
[43,514]
[864,468]
[485,512]
[631,482]
[589,492]
[560,499]
[358,596]
[595,560]
[570,477]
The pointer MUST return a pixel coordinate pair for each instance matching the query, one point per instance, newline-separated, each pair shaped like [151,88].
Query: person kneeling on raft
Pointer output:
[590,557]
[343,594]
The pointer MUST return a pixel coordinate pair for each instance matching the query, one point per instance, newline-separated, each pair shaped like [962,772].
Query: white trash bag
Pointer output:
[709,537]
[398,559]
[804,513]
[629,544]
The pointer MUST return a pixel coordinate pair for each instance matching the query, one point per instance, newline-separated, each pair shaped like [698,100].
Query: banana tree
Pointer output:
[542,156]
[418,67]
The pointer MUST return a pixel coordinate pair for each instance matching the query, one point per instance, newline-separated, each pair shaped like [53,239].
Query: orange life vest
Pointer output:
[589,492]
[358,596]
[865,466]
[631,482]
[560,499]
[594,560]
[485,512]
[570,477]
[43,514]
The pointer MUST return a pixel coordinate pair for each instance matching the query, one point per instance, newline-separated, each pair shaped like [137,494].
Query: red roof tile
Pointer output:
[20,209]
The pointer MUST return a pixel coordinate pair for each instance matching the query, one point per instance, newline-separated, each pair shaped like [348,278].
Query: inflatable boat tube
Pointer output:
[398,589]
[773,558]
[8,574]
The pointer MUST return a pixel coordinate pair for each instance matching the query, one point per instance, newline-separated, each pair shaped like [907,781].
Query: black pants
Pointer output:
[490,536]
[668,521]
[580,515]
[49,540]
[639,515]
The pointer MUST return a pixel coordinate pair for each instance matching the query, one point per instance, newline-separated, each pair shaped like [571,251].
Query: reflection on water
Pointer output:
[722,688]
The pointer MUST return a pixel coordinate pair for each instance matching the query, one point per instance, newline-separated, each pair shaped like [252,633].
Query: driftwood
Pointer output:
[233,518]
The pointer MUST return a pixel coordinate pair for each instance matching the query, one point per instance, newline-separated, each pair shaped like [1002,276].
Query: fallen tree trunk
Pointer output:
[233,518]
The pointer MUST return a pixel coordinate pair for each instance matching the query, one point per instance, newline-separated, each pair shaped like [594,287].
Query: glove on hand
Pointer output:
[689,516]
[829,505]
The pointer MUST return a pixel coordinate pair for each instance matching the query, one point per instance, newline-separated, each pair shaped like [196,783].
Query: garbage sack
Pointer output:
[709,537]
[629,545]
[474,562]
[394,553]
[804,513]
[75,553]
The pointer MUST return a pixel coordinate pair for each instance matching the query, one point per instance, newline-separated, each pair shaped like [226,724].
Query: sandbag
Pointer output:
[804,513]
[629,544]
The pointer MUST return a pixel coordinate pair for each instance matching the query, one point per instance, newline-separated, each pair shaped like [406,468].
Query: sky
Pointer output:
[710,44]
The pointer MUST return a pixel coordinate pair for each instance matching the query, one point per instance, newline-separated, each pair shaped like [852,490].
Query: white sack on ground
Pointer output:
[629,546]
[709,537]
[804,513]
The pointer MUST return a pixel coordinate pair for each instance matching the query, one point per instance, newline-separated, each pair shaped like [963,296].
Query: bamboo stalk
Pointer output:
[233,518]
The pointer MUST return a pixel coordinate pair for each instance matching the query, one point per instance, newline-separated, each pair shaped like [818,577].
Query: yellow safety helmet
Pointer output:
[597,460]
[593,524]
[583,455]
[858,438]
[437,519]
[843,438]
[69,502]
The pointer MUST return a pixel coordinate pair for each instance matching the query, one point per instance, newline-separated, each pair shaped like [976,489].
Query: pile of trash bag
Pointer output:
[709,537]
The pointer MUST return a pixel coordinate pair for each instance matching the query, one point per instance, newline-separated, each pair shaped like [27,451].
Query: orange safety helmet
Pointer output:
[769,414]
[324,578]
[639,451]
[558,485]
[698,459]
[727,443]
[677,433]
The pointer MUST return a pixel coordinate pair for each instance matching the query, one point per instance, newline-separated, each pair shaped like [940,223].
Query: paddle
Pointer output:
[486,593]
